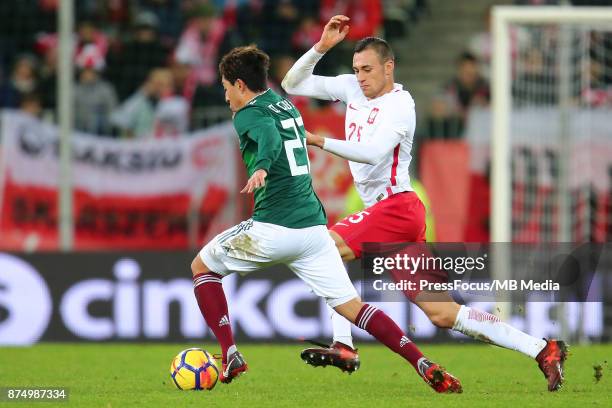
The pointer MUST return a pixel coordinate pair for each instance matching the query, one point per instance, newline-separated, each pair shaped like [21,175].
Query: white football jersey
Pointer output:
[371,121]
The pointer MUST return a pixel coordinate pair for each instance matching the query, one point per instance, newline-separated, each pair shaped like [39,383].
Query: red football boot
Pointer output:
[338,355]
[551,360]
[233,368]
[438,378]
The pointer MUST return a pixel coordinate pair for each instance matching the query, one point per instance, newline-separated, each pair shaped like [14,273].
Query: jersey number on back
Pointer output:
[297,143]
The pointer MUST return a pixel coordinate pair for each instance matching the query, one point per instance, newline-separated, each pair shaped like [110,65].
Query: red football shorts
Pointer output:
[398,218]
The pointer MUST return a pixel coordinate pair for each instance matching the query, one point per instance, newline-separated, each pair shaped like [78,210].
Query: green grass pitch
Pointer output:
[124,375]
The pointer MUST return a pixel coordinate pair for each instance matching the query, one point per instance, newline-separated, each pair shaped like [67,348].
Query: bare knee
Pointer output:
[197,266]
[441,314]
[442,320]
[344,250]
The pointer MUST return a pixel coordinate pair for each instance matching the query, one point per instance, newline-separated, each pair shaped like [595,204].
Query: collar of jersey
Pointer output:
[252,100]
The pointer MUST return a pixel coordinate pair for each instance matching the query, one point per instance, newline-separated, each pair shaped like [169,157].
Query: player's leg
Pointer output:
[213,304]
[372,224]
[483,326]
[386,331]
[208,268]
[341,353]
[323,271]
[346,252]
[377,223]
[340,326]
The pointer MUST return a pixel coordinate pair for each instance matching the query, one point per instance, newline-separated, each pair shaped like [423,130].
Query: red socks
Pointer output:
[384,329]
[213,305]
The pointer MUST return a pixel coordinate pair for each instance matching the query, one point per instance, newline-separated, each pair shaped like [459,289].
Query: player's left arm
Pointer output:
[397,127]
[269,146]
[368,153]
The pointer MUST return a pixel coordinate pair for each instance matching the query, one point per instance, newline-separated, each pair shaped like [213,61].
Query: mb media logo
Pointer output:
[25,302]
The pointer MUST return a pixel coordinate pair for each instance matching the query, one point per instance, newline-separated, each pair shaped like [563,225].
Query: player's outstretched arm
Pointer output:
[300,80]
[368,153]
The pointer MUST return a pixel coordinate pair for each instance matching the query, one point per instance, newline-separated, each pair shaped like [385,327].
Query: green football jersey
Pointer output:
[272,137]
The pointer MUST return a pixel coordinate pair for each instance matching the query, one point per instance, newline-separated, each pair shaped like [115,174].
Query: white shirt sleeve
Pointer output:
[368,153]
[300,80]
[374,151]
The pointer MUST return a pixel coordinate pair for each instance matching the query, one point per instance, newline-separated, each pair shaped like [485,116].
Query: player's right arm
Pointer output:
[300,80]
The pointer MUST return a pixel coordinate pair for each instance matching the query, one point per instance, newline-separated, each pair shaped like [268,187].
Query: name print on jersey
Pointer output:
[284,105]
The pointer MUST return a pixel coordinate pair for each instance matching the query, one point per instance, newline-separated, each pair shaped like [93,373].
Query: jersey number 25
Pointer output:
[297,143]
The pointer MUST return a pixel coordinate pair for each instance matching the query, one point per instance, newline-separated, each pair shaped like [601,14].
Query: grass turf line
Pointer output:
[129,375]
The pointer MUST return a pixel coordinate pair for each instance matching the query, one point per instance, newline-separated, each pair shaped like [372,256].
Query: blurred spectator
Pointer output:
[88,35]
[308,33]
[595,92]
[366,16]
[20,20]
[534,84]
[279,66]
[154,110]
[31,104]
[198,52]
[130,64]
[279,23]
[468,88]
[247,20]
[23,80]
[48,79]
[169,15]
[94,98]
[481,44]
[395,18]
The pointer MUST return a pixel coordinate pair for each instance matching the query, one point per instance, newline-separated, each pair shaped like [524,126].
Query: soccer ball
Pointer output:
[194,369]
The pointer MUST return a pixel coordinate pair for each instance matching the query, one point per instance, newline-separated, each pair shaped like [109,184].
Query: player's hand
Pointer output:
[257,180]
[314,140]
[334,32]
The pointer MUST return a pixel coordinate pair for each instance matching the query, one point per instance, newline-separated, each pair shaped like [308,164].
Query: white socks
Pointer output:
[488,328]
[341,328]
[474,323]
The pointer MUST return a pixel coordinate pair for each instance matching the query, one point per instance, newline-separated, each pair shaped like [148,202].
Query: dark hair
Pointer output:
[247,63]
[466,56]
[379,45]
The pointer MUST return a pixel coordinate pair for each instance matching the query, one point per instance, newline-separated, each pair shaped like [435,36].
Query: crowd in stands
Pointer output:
[534,54]
[148,68]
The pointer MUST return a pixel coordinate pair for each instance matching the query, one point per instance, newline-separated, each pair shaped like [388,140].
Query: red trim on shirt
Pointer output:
[394,166]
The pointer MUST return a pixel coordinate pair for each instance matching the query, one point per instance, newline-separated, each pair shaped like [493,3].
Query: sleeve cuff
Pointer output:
[263,164]
[316,53]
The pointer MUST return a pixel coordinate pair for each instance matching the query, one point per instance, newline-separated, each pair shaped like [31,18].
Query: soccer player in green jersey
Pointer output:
[288,225]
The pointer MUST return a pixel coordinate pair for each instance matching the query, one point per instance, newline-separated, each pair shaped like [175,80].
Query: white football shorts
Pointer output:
[309,252]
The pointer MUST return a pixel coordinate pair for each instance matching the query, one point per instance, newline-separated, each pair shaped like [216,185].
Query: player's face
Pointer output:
[372,73]
[233,94]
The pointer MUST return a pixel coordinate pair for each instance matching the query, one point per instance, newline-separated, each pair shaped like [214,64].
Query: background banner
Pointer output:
[138,297]
[127,194]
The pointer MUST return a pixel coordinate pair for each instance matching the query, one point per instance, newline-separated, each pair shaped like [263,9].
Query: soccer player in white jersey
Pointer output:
[379,126]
